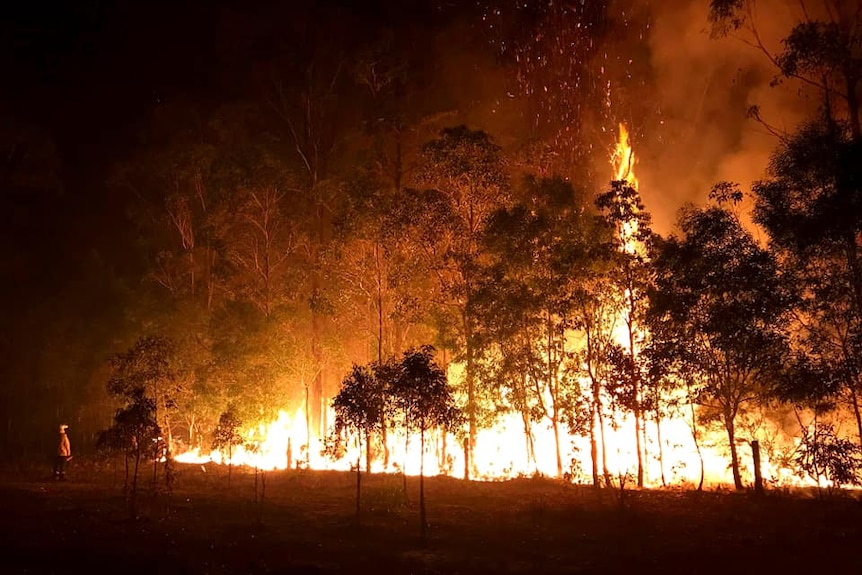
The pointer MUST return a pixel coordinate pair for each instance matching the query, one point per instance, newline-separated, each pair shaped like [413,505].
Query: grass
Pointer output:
[306,525]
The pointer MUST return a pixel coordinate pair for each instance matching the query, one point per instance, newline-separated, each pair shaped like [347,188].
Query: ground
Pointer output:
[306,524]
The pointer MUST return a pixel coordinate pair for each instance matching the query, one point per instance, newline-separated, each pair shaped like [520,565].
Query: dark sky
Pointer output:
[88,71]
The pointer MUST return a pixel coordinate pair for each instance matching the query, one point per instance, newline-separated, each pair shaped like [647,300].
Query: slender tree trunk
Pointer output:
[423,523]
[660,448]
[856,412]
[406,453]
[229,461]
[637,392]
[380,326]
[134,494]
[853,105]
[307,425]
[594,449]
[471,401]
[694,436]
[556,427]
[359,475]
[597,400]
[734,456]
[528,428]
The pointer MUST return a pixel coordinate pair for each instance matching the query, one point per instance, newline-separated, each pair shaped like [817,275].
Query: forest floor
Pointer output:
[306,524]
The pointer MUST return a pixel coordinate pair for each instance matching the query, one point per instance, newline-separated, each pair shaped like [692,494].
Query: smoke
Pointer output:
[701,133]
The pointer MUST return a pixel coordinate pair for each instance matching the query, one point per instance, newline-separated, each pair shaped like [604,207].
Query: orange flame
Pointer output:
[623,159]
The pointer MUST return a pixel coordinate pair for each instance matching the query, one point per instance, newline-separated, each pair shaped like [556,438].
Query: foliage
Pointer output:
[822,453]
[227,434]
[720,305]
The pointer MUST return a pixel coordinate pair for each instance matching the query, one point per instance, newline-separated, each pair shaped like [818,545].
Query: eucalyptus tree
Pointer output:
[723,306]
[821,51]
[464,179]
[536,253]
[629,223]
[810,203]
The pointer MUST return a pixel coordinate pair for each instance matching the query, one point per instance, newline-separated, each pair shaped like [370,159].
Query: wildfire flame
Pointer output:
[623,159]
[503,452]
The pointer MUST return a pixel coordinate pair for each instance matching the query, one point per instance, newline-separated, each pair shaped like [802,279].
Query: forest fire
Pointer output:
[677,448]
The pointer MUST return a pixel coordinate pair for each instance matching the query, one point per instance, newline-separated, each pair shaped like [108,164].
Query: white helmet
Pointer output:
[63,428]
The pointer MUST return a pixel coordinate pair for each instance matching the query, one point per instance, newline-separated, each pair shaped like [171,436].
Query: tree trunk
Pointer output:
[758,478]
[359,475]
[317,383]
[423,525]
[134,494]
[734,456]
[694,435]
[856,413]
[636,390]
[660,448]
[594,449]
[528,428]
[853,105]
[469,464]
[597,400]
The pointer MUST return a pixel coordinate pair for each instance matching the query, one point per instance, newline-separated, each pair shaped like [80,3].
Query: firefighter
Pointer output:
[64,453]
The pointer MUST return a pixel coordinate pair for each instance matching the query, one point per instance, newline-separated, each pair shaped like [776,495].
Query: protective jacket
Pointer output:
[64,449]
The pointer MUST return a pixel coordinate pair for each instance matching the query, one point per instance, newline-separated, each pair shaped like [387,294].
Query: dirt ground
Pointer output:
[306,525]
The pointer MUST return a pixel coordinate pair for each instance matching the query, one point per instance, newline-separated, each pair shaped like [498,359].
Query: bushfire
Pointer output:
[504,450]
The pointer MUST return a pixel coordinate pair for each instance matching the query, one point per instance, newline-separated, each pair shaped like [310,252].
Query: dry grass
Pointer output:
[306,524]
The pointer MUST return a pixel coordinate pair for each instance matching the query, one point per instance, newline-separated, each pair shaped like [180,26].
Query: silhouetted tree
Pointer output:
[135,432]
[721,297]
[360,408]
[227,435]
[421,391]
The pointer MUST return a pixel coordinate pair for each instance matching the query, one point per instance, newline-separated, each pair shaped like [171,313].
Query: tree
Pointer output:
[135,428]
[228,436]
[359,408]
[464,170]
[821,51]
[810,204]
[536,255]
[724,309]
[822,454]
[147,369]
[629,222]
[422,393]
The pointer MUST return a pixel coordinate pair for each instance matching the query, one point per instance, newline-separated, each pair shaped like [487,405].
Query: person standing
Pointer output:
[64,453]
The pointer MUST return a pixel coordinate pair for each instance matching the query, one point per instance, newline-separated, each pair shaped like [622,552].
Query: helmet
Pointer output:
[63,428]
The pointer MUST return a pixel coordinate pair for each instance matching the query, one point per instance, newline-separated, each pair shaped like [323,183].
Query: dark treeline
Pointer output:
[322,196]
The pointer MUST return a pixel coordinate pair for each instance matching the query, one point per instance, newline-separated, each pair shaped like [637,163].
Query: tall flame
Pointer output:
[623,159]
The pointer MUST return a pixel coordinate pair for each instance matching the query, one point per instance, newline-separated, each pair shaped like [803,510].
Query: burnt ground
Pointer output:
[306,525]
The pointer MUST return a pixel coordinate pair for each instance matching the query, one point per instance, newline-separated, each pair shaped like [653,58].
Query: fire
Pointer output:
[503,450]
[623,159]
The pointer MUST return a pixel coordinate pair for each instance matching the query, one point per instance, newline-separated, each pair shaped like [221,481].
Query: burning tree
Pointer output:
[724,310]
[422,393]
[360,408]
[630,223]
